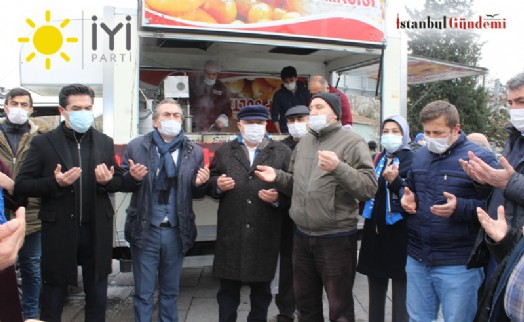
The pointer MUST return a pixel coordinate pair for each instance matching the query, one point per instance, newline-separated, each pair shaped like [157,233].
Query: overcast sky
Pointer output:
[503,52]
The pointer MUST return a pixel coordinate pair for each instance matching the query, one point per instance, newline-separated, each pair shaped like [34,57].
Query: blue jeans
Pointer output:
[160,253]
[29,262]
[455,287]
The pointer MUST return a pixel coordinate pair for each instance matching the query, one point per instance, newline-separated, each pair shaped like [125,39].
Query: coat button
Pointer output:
[250,177]
[249,201]
[247,226]
[72,216]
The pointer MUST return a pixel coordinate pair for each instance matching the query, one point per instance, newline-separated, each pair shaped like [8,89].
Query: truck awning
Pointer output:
[428,70]
[421,70]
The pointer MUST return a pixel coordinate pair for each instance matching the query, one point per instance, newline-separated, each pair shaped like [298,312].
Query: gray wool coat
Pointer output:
[248,229]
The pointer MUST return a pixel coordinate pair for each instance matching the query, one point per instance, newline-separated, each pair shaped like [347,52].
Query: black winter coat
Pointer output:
[490,308]
[513,206]
[248,229]
[60,220]
[383,251]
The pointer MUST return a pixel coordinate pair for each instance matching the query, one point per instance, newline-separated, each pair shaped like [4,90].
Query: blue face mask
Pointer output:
[80,121]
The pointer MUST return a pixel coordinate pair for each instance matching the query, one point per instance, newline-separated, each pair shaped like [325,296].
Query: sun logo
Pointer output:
[47,40]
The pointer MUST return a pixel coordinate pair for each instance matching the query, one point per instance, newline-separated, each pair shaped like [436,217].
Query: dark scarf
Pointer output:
[167,169]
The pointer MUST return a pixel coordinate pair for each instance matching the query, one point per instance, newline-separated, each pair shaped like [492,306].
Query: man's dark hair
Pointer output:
[516,82]
[74,89]
[372,145]
[17,91]
[288,72]
[436,109]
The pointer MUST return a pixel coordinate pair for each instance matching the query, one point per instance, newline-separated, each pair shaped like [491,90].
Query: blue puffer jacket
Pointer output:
[142,150]
[438,241]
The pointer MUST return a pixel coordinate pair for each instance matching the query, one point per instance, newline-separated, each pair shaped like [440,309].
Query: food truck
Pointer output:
[135,57]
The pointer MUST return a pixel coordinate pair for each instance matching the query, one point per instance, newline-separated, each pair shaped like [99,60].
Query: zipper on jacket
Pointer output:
[313,166]
[80,165]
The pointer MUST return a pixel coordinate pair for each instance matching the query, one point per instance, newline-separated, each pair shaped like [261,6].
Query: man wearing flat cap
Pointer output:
[329,173]
[297,124]
[249,215]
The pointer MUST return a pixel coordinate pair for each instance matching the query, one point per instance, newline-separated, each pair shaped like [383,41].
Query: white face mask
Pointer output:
[17,115]
[209,82]
[391,142]
[170,128]
[317,122]
[516,117]
[297,129]
[254,133]
[291,86]
[438,145]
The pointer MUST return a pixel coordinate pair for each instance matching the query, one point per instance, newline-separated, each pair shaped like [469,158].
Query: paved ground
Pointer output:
[197,302]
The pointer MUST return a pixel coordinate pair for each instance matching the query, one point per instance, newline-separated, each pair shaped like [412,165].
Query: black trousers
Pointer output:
[54,295]
[228,298]
[378,288]
[324,263]
[10,309]
[285,299]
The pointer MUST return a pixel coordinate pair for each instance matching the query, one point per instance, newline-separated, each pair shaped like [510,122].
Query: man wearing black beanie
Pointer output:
[333,101]
[329,173]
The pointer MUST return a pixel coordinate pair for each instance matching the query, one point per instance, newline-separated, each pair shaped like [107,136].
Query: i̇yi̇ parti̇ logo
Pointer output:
[47,40]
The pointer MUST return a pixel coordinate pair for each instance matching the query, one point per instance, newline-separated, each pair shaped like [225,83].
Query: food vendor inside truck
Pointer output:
[209,100]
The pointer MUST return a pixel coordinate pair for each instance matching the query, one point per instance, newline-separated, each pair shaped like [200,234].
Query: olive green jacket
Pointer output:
[323,202]
[14,161]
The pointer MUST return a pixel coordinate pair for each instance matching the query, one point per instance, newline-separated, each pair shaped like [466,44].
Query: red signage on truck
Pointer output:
[348,20]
